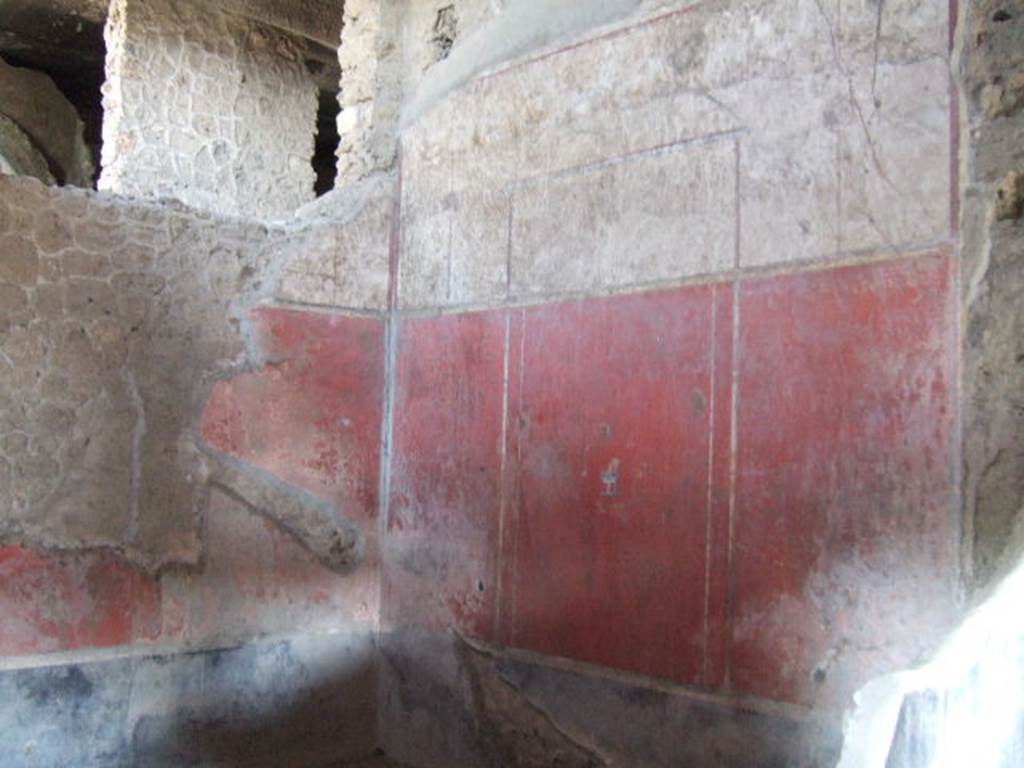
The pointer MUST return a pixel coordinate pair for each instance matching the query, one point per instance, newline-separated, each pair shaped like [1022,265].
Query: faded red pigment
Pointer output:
[66,602]
[844,501]
[446,473]
[625,523]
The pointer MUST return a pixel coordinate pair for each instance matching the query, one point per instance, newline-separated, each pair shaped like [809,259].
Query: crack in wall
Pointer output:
[513,729]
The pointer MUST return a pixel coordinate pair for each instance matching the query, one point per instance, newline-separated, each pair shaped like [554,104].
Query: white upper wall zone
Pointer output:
[717,135]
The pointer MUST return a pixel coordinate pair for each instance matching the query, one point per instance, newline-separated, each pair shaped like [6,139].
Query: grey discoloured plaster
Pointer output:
[298,702]
[379,761]
[67,715]
[646,726]
[992,70]
[511,728]
[305,701]
[428,712]
[450,702]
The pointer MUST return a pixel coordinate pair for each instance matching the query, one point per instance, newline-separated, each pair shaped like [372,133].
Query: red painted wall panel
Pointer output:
[446,475]
[745,487]
[312,416]
[612,416]
[845,553]
[56,602]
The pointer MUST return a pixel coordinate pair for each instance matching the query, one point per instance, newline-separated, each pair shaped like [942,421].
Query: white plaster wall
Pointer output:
[694,141]
[207,108]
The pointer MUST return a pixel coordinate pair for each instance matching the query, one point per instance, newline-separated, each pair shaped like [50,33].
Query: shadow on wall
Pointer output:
[303,702]
[455,701]
[964,707]
[41,133]
[267,705]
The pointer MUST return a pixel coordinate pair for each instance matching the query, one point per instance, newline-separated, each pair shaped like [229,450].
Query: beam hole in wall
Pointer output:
[446,29]
[325,162]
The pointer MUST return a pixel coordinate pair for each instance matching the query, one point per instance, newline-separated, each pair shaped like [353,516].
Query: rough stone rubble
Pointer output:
[231,128]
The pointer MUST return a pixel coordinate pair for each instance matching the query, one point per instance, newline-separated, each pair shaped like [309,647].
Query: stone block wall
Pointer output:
[207,108]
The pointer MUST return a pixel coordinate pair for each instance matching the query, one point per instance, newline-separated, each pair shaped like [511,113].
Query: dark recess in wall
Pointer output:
[67,48]
[325,162]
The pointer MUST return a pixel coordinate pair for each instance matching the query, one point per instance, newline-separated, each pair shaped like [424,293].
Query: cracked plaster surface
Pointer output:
[798,131]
